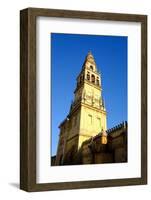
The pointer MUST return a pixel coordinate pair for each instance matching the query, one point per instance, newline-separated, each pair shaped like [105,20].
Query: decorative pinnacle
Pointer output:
[89,52]
[90,58]
[89,55]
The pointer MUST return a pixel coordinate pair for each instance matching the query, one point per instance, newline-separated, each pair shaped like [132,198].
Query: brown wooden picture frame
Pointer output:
[28,98]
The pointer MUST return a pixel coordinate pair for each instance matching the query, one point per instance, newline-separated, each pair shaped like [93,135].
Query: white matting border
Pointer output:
[48,174]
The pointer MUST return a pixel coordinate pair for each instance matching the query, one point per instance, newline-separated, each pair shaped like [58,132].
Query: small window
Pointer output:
[93,78]
[88,76]
[91,67]
[89,119]
[97,81]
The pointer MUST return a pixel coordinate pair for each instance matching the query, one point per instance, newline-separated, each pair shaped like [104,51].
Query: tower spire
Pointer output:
[90,62]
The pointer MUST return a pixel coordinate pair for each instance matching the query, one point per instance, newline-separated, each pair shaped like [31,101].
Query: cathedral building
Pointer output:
[84,138]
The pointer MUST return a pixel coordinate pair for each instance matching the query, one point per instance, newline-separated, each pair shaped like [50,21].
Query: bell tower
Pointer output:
[89,93]
[87,115]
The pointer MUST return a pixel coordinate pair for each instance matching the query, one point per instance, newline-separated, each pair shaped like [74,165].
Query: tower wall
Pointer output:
[92,121]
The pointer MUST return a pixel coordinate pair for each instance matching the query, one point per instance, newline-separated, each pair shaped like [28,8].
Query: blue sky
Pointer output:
[68,53]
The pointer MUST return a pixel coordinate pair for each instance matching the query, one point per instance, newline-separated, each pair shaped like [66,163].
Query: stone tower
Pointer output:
[87,115]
